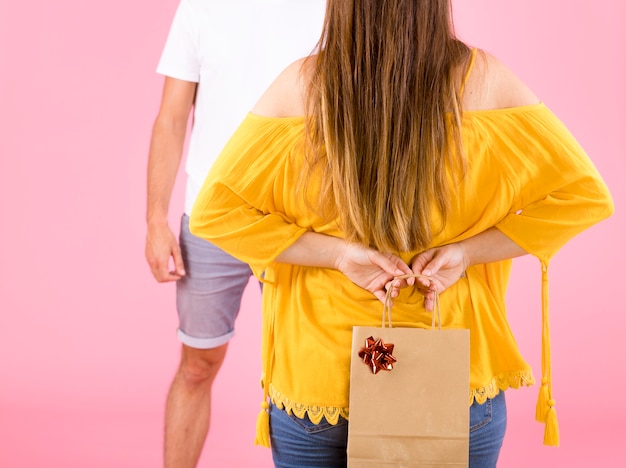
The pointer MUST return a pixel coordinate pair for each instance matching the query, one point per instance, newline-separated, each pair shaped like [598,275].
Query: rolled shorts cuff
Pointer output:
[204,343]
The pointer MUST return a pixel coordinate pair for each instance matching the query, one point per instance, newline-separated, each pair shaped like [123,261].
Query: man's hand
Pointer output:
[161,245]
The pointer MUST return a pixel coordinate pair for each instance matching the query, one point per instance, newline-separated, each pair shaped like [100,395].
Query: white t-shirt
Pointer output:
[233,49]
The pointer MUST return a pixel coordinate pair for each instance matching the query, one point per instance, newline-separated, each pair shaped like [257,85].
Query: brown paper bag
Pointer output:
[416,414]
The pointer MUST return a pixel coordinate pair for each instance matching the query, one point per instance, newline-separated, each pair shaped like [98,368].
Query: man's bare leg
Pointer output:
[188,407]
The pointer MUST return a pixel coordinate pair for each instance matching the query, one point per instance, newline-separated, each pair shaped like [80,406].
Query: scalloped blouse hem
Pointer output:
[500,383]
[315,413]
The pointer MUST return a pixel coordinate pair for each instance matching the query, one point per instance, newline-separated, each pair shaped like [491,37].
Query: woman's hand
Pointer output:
[371,270]
[443,265]
[365,267]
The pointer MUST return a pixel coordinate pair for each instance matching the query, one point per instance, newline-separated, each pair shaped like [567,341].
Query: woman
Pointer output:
[396,149]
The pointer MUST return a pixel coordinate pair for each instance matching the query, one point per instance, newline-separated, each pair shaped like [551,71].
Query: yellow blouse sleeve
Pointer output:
[559,191]
[558,194]
[236,209]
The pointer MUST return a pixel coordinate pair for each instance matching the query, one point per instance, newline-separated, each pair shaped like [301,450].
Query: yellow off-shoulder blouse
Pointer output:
[527,176]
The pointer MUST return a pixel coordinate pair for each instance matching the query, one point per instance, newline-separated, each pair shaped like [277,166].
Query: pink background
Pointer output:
[87,338]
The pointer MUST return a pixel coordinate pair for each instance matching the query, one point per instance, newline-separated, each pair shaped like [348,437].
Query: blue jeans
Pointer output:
[298,443]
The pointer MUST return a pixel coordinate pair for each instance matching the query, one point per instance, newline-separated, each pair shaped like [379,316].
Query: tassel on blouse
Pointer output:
[263,426]
[541,412]
[546,411]
[551,432]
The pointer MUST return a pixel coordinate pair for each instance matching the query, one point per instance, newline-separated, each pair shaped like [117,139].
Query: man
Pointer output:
[219,58]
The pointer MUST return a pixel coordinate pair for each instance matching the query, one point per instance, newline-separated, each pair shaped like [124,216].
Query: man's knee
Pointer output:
[199,366]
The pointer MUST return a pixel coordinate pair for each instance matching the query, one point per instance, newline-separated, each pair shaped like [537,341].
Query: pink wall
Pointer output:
[87,339]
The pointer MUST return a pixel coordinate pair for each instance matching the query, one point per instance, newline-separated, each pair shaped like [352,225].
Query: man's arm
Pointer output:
[166,148]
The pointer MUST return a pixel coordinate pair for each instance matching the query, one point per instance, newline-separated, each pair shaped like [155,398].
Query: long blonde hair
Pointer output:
[384,103]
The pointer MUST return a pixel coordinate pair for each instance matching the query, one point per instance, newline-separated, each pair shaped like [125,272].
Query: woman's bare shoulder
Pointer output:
[286,95]
[492,85]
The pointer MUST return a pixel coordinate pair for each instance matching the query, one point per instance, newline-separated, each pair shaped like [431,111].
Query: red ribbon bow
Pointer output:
[377,355]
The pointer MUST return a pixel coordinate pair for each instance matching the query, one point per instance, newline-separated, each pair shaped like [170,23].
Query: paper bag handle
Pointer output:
[436,315]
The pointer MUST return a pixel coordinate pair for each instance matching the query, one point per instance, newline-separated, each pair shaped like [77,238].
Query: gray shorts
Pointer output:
[209,295]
